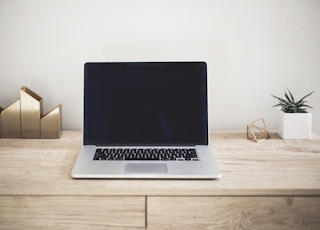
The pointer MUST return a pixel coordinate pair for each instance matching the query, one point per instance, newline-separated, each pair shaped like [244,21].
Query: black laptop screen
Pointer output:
[145,103]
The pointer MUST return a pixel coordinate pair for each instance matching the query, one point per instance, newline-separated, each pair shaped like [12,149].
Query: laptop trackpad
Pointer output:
[146,168]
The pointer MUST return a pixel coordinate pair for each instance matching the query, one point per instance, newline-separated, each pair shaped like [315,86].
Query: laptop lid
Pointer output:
[145,103]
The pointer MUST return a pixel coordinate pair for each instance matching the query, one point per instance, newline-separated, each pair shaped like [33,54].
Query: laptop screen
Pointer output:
[145,103]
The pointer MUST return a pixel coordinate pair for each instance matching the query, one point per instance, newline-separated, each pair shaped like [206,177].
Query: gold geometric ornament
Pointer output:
[24,119]
[257,130]
[31,112]
[0,122]
[51,124]
[10,121]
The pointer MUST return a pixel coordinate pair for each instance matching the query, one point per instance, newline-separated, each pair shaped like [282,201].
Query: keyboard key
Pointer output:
[147,154]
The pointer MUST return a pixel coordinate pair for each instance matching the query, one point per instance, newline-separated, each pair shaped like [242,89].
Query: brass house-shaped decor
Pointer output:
[24,118]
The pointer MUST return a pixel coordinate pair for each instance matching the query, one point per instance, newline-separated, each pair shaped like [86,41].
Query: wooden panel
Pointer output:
[271,167]
[233,213]
[77,212]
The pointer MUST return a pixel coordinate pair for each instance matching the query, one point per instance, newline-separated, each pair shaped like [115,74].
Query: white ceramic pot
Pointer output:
[295,125]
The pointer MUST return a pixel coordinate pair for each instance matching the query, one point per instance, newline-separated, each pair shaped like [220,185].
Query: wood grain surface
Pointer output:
[272,184]
[270,167]
[287,213]
[65,212]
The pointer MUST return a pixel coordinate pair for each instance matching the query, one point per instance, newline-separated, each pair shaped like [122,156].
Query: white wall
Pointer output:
[253,48]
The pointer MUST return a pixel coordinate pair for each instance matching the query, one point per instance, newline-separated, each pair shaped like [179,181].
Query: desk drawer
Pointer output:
[233,213]
[71,212]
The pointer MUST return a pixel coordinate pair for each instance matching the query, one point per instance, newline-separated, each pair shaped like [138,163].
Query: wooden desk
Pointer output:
[274,184]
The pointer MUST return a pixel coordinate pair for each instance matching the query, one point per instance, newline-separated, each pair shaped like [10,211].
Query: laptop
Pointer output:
[145,120]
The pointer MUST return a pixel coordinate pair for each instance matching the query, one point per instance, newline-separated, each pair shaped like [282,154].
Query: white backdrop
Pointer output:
[253,48]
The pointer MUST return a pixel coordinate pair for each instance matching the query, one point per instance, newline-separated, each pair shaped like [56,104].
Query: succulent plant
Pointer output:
[290,105]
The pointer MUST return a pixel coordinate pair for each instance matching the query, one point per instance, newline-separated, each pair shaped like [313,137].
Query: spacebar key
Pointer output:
[141,159]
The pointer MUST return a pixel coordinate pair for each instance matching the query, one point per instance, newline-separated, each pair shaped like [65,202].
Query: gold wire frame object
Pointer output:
[257,130]
[24,119]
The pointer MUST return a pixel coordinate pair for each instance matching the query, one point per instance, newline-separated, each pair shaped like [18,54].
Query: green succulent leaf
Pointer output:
[301,100]
[291,96]
[289,105]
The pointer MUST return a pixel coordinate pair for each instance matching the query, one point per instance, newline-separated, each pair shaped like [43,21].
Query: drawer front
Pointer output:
[71,212]
[233,213]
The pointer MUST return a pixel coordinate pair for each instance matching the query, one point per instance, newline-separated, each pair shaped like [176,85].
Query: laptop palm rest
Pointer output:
[146,168]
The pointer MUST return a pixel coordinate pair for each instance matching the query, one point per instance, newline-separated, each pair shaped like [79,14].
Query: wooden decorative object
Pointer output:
[257,130]
[24,119]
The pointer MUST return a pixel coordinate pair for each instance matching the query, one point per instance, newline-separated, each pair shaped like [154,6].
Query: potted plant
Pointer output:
[294,120]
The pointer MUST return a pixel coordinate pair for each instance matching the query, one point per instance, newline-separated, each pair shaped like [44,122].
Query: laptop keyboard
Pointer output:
[154,154]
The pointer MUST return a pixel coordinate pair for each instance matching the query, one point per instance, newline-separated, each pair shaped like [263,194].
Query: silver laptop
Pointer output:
[146,120]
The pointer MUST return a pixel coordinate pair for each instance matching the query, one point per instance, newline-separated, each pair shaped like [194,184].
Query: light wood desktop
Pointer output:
[273,184]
